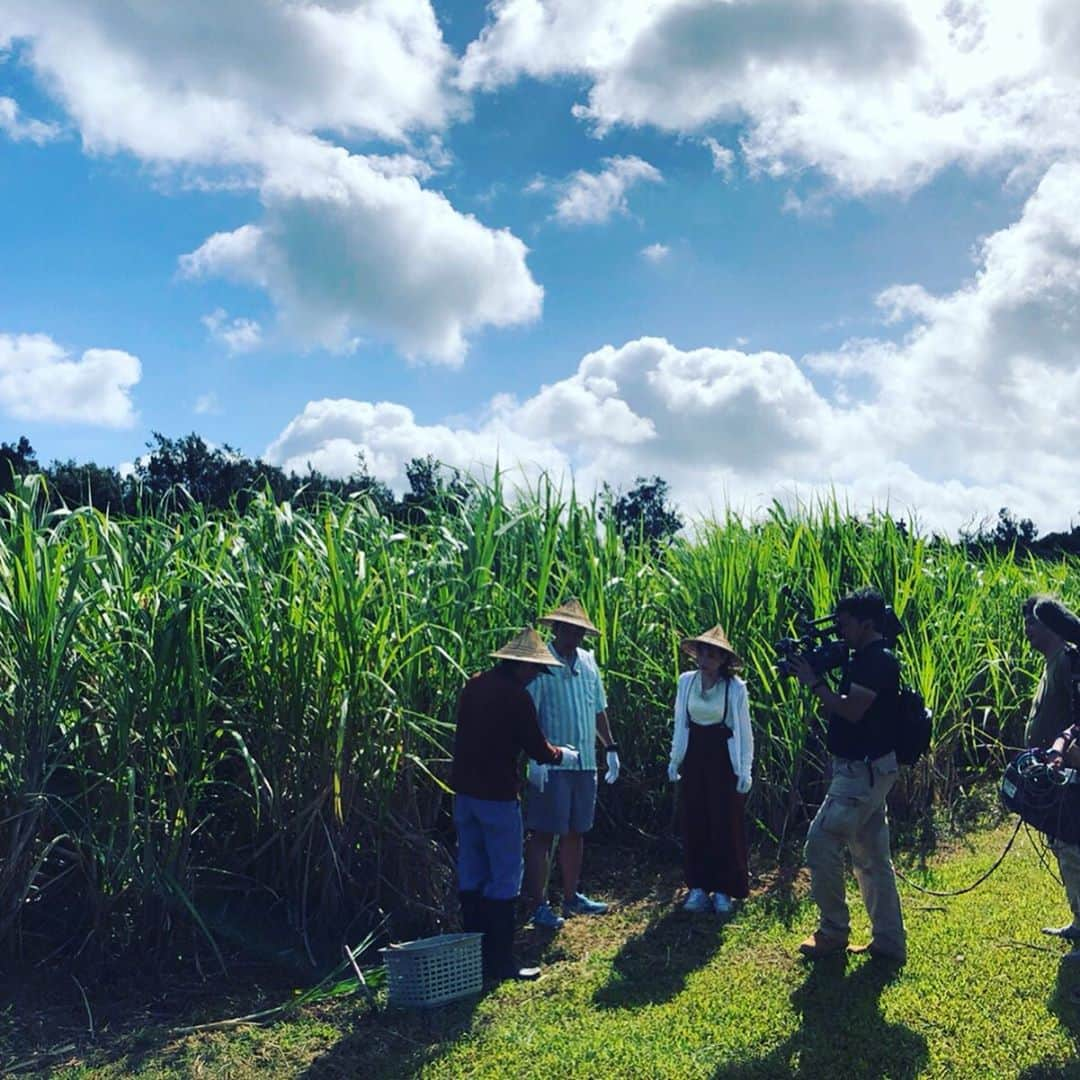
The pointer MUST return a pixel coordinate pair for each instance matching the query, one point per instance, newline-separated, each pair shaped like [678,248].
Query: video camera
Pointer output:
[817,643]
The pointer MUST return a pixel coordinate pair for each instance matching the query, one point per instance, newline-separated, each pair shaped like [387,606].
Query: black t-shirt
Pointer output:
[874,667]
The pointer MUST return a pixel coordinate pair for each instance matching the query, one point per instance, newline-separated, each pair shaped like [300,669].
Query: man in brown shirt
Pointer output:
[496,722]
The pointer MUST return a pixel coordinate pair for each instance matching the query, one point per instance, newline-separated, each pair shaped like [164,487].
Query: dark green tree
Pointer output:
[642,514]
[215,477]
[16,459]
[74,485]
[434,488]
[1007,532]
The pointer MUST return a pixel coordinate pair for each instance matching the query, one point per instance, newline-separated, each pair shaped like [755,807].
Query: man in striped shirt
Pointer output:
[561,799]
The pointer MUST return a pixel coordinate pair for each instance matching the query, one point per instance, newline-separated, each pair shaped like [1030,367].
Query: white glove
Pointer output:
[537,775]
[570,757]
[742,785]
[612,773]
[673,772]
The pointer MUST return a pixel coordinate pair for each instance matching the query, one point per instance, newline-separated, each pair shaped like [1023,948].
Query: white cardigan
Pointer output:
[741,743]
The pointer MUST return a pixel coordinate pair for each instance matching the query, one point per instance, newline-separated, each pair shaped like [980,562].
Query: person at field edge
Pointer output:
[561,799]
[712,749]
[1051,628]
[860,716]
[496,721]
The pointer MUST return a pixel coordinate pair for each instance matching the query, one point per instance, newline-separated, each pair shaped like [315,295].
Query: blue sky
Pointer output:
[760,247]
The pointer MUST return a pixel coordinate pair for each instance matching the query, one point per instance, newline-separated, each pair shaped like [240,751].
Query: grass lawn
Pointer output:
[650,992]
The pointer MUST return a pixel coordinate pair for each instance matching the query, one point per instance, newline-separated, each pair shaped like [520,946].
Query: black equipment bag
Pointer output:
[912,726]
[1047,799]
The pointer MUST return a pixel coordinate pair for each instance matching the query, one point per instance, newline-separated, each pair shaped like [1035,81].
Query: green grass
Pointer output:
[650,992]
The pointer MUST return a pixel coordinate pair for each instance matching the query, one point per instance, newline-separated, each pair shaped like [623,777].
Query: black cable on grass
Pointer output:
[974,884]
[1041,845]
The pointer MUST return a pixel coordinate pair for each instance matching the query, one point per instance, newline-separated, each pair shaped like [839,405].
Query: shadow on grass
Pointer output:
[398,1044]
[1068,1014]
[779,894]
[653,966]
[49,1020]
[842,1032]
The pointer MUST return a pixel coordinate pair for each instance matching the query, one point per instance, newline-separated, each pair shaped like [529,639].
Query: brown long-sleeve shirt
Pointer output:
[496,721]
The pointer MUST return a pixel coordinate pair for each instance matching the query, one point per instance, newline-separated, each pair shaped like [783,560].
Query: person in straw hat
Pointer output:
[561,799]
[712,751]
[496,721]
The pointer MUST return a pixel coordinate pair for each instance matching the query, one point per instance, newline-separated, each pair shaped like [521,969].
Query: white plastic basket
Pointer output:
[434,970]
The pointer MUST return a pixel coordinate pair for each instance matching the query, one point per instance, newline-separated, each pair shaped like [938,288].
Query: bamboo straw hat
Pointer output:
[573,613]
[715,637]
[527,647]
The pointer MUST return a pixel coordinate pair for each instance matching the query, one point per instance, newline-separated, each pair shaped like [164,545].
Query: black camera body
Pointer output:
[817,644]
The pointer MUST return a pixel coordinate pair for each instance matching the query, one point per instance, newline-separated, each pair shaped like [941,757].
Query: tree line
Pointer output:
[187,470]
[176,473]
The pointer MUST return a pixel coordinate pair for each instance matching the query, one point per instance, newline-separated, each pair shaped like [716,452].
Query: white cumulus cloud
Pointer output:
[41,380]
[19,129]
[351,251]
[237,335]
[876,94]
[332,433]
[258,93]
[594,198]
[723,157]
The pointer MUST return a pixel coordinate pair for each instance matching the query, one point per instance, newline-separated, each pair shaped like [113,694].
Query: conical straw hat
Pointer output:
[573,613]
[528,647]
[715,636]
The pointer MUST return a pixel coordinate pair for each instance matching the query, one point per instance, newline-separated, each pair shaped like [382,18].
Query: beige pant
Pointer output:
[1068,857]
[853,817]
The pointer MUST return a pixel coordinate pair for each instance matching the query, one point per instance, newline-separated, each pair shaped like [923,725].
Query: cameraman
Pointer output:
[1051,628]
[864,769]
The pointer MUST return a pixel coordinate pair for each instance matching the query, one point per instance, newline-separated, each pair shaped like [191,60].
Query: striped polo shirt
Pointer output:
[567,702]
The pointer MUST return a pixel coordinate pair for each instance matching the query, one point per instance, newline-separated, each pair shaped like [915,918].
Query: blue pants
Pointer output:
[489,846]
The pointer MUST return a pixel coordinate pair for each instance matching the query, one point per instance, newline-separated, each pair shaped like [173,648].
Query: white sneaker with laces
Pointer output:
[721,903]
[698,900]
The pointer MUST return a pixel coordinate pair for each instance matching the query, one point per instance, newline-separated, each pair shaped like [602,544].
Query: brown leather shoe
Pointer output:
[878,953]
[820,944]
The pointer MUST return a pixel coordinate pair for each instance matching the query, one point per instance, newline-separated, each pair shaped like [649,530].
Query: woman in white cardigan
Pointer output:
[712,749]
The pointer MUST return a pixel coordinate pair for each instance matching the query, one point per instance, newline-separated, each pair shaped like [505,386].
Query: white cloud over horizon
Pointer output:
[977,406]
[41,381]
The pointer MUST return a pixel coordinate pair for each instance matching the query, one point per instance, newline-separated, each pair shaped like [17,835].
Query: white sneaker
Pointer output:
[721,903]
[698,900]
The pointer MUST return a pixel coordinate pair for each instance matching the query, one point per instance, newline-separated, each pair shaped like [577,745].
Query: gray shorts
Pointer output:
[565,805]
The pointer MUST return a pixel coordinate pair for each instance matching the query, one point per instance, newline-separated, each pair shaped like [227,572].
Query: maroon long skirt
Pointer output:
[713,815]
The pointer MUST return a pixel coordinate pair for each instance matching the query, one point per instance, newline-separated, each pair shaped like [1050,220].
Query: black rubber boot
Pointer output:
[472,911]
[499,962]
[474,920]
